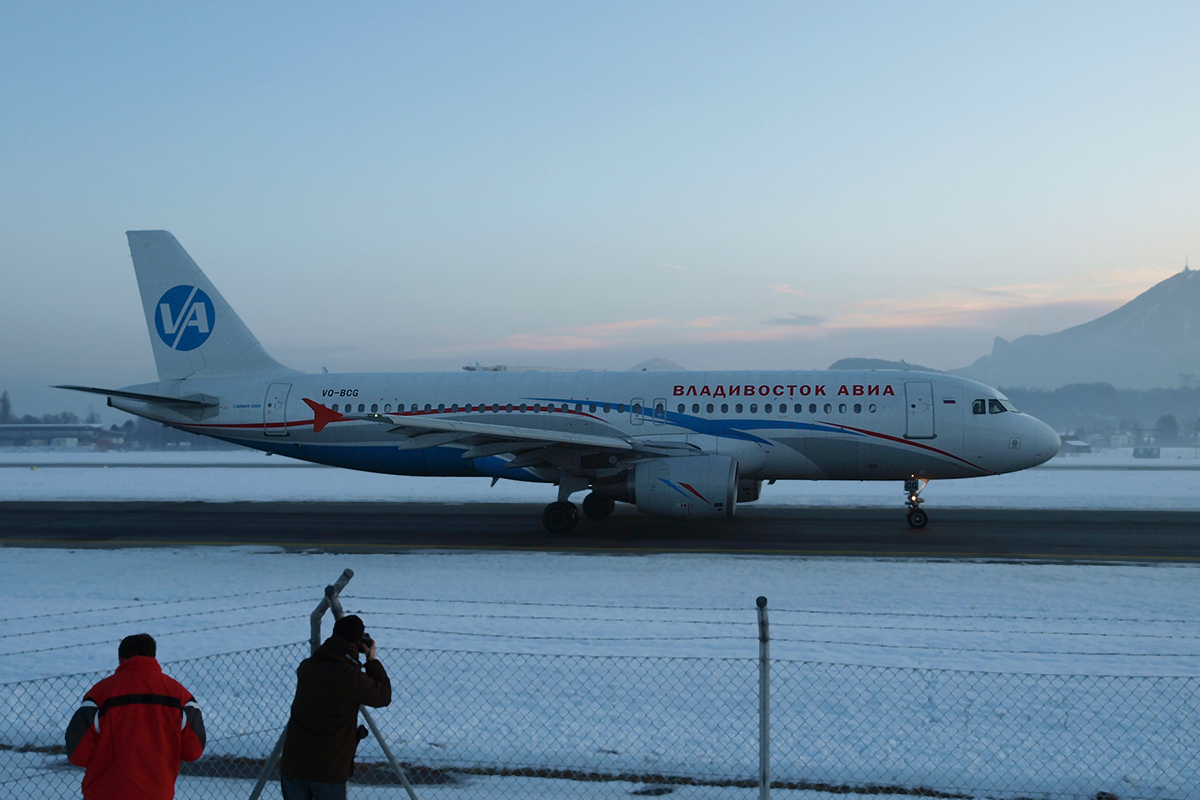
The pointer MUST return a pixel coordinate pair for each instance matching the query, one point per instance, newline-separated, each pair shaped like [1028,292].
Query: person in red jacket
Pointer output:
[133,729]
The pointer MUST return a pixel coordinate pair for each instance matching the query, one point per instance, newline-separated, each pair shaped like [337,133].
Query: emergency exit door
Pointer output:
[918,406]
[275,409]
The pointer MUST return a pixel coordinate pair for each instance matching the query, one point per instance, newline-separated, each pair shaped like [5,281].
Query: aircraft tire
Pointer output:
[917,519]
[596,507]
[560,517]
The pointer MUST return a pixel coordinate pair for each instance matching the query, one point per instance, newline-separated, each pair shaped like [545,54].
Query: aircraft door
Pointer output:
[637,411]
[918,405]
[275,409]
[660,410]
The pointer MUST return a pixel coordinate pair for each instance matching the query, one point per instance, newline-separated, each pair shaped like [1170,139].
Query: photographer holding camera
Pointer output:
[323,732]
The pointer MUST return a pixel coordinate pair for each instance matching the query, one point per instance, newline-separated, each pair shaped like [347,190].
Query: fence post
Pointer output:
[314,642]
[764,702]
[335,604]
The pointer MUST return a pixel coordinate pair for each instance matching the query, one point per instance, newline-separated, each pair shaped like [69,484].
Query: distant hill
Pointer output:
[656,365]
[1153,341]
[877,363]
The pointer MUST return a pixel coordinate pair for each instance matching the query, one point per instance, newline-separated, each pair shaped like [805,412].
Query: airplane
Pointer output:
[674,444]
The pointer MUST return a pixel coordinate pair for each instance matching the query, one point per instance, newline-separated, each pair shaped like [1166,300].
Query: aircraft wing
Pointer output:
[454,430]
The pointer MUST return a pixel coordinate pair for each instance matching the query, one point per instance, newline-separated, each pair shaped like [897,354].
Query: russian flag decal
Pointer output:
[948,401]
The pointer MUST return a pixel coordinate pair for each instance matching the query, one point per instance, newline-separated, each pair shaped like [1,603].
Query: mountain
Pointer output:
[1153,341]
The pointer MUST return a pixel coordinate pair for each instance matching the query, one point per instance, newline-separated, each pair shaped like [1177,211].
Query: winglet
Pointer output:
[322,416]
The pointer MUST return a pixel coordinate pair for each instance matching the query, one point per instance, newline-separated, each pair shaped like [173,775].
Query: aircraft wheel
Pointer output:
[917,518]
[596,507]
[560,517]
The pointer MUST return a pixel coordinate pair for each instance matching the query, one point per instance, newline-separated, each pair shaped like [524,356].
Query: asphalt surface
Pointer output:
[1148,536]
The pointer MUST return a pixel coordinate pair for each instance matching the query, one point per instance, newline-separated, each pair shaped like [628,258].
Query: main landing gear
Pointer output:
[560,517]
[563,516]
[912,499]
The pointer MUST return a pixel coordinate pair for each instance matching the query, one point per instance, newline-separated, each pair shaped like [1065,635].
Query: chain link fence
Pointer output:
[484,724]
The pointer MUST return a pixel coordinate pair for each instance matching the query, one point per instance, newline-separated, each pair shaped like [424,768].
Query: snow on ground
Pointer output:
[1106,480]
[1119,619]
[900,728]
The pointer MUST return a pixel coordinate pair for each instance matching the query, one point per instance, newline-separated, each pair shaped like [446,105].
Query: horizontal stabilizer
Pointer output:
[191,401]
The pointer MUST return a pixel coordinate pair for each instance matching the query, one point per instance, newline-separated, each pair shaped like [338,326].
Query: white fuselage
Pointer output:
[781,425]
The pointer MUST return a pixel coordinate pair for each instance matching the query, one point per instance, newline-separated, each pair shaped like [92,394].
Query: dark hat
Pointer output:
[349,628]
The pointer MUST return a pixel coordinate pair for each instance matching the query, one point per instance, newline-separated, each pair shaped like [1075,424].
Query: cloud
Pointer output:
[796,320]
[786,289]
[679,267]
[708,322]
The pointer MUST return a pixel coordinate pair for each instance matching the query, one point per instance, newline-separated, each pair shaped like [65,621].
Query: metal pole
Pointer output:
[764,703]
[335,603]
[314,642]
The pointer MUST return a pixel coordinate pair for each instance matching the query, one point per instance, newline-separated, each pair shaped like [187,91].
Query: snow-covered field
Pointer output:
[1107,480]
[1012,626]
[936,726]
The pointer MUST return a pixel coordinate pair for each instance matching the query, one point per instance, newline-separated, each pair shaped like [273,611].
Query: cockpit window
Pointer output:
[979,407]
[1000,406]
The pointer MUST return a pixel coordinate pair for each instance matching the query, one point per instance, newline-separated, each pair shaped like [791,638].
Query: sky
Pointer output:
[401,186]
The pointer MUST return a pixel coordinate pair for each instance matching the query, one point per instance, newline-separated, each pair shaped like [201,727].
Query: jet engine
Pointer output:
[697,487]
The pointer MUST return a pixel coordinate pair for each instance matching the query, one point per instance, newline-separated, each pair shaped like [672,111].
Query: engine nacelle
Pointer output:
[698,487]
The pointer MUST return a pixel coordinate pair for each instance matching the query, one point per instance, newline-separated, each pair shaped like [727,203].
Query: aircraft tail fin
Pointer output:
[193,331]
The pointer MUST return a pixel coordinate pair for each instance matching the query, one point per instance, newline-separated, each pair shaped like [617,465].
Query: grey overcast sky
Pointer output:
[729,185]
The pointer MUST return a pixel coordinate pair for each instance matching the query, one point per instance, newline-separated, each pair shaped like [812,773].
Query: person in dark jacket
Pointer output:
[323,732]
[134,728]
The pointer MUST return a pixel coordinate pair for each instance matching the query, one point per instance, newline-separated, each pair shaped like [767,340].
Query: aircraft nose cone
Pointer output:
[1048,443]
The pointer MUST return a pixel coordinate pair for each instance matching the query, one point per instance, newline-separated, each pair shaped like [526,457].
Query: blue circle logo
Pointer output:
[184,318]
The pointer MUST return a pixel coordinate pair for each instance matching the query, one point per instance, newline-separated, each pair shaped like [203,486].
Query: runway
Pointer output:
[1145,536]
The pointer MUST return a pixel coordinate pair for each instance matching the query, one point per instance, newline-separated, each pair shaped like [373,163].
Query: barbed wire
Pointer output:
[153,619]
[168,633]
[558,638]
[887,646]
[153,603]
[773,609]
[751,622]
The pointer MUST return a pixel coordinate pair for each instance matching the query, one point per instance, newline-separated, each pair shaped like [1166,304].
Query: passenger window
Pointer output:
[682,408]
[828,408]
[441,407]
[754,408]
[361,408]
[620,408]
[738,408]
[709,409]
[414,407]
[374,408]
[979,407]
[607,408]
[767,408]
[871,408]
[858,408]
[637,408]
[724,408]
[592,408]
[996,407]
[660,409]
[799,408]
[695,408]
[387,409]
[841,408]
[508,407]
[522,408]
[335,405]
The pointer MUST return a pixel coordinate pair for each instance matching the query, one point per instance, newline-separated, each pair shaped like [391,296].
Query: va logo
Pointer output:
[184,318]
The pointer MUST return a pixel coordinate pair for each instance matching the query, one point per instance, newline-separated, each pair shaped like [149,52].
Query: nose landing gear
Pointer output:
[912,500]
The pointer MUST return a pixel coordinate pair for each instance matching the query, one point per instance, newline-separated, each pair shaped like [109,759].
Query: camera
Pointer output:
[366,643]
